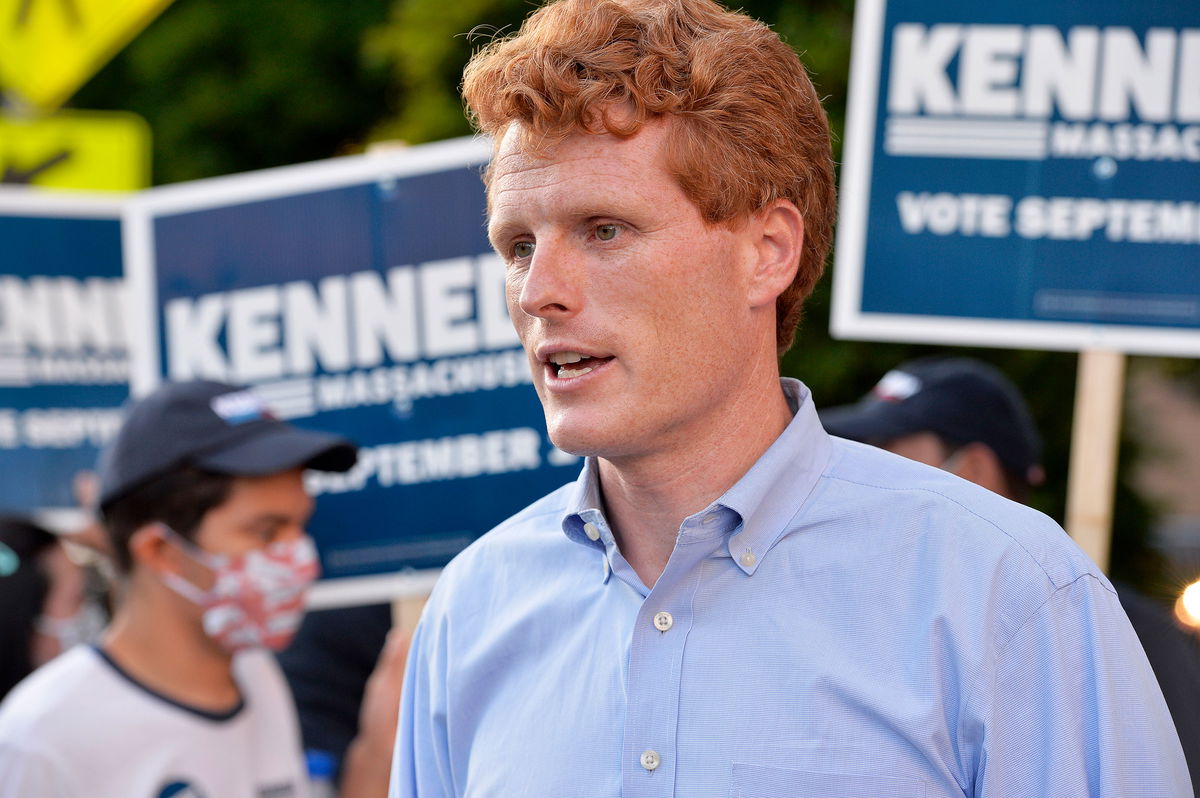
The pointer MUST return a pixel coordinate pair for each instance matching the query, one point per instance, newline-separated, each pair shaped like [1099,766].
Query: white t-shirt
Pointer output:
[79,727]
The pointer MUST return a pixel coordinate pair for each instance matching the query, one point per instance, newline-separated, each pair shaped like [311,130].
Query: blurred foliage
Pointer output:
[427,42]
[233,85]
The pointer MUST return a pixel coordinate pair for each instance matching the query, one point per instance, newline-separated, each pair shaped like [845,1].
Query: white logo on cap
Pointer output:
[239,407]
[896,386]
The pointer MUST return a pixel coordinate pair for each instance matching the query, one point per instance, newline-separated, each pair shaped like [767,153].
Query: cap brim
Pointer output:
[282,448]
[870,421]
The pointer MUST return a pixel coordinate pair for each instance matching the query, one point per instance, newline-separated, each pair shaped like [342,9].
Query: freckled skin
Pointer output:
[607,256]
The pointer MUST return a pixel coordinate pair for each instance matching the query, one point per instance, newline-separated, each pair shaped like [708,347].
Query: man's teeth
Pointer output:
[562,359]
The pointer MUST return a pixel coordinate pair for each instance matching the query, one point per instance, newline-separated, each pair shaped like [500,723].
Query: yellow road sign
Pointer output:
[97,150]
[48,48]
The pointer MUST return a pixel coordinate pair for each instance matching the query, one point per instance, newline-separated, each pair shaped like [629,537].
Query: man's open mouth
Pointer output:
[573,364]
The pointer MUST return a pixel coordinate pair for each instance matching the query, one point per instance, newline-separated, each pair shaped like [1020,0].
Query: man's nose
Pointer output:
[553,284]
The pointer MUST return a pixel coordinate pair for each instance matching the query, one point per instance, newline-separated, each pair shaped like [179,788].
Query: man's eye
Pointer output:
[607,232]
[522,249]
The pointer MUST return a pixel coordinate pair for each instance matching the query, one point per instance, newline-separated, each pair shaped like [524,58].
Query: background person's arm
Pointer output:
[367,764]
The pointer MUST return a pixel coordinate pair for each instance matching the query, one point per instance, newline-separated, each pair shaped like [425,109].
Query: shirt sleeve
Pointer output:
[421,766]
[27,773]
[1072,707]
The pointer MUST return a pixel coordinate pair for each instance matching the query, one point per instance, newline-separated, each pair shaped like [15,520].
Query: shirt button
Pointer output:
[591,530]
[663,621]
[747,559]
[650,760]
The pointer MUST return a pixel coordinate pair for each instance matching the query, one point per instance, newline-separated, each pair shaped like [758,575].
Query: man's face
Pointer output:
[258,511]
[608,261]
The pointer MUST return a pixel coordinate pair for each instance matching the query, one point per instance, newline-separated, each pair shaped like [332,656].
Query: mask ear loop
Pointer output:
[176,582]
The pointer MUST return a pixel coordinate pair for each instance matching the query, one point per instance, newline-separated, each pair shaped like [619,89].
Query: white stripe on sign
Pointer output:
[961,126]
[291,410]
[13,372]
[963,149]
[957,148]
[966,138]
[288,398]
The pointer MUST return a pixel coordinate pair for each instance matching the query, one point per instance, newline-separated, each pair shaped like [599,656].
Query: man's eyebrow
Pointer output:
[499,231]
[269,518]
[276,519]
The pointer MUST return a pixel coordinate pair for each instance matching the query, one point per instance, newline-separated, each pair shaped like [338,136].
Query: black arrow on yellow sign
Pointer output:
[25,176]
[70,10]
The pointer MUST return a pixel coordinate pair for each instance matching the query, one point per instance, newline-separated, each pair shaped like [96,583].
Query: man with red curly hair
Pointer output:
[728,601]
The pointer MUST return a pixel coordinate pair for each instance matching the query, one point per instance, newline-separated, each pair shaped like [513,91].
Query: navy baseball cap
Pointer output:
[960,399]
[217,427]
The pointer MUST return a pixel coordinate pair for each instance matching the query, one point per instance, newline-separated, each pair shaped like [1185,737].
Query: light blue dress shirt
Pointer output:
[842,623]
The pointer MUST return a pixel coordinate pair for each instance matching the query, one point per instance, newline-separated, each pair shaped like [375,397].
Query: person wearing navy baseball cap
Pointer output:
[203,501]
[954,412]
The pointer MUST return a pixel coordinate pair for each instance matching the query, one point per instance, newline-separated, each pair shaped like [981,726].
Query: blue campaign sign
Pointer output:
[357,295]
[1024,173]
[64,361]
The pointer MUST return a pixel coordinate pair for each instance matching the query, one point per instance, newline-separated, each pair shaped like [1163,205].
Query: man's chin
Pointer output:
[575,446]
[580,440]
[593,429]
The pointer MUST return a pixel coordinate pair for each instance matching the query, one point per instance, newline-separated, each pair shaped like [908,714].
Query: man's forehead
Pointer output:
[520,158]
[519,150]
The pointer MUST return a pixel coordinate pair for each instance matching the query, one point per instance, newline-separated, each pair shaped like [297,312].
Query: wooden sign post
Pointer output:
[1095,436]
[406,612]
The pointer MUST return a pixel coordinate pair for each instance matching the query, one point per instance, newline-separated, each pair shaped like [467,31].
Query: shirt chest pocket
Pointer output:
[759,781]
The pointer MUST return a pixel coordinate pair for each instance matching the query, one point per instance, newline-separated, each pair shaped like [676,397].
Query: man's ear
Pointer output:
[149,548]
[779,236]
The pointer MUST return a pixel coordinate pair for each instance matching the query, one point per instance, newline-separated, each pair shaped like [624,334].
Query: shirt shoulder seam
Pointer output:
[1001,649]
[1041,567]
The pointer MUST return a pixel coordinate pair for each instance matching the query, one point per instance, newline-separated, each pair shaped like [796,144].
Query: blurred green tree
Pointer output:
[234,85]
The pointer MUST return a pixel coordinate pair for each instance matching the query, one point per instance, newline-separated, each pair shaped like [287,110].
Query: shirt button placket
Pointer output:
[654,677]
[653,703]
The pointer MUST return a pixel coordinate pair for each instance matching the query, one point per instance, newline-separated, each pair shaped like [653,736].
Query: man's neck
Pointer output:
[647,498]
[159,643]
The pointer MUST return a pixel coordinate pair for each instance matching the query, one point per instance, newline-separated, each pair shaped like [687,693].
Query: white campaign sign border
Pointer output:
[849,321]
[355,591]
[19,201]
[139,214]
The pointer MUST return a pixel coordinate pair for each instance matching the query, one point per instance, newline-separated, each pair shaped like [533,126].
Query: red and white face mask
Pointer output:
[257,598]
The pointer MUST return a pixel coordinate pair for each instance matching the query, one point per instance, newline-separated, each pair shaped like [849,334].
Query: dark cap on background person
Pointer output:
[213,426]
[959,399]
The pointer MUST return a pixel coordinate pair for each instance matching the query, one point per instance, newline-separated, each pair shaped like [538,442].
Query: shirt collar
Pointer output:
[754,513]
[584,522]
[772,492]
